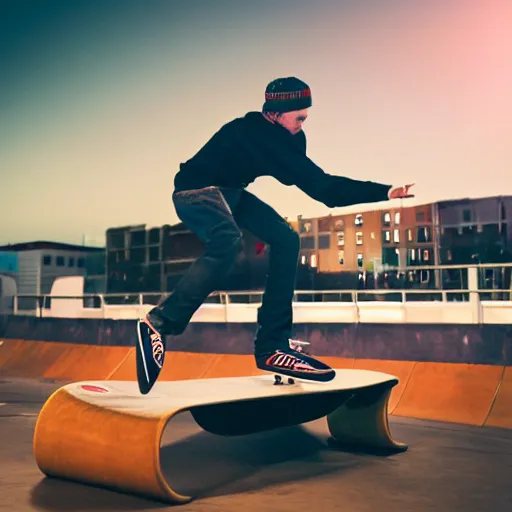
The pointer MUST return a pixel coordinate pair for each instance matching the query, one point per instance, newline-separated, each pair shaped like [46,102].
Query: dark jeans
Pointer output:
[216,215]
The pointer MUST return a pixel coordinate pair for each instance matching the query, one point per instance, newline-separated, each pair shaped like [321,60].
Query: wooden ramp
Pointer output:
[105,433]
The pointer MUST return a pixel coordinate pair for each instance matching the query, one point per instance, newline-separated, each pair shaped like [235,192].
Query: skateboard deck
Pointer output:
[83,424]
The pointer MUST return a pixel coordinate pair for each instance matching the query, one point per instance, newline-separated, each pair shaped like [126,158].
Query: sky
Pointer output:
[100,101]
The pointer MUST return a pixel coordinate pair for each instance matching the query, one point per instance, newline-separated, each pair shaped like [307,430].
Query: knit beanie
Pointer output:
[286,95]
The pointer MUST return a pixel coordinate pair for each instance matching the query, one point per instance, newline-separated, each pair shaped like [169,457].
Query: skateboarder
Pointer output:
[211,199]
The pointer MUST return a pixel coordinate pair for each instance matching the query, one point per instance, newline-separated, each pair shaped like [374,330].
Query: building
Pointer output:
[386,240]
[339,250]
[337,243]
[475,230]
[143,259]
[368,240]
[39,263]
[408,236]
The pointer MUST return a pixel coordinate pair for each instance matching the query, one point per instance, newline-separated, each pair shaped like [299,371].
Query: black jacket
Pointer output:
[250,146]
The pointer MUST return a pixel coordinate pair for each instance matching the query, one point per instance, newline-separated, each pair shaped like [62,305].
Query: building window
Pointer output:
[154,254]
[138,238]
[466,215]
[303,259]
[360,260]
[324,241]
[47,260]
[305,226]
[426,255]
[397,218]
[71,262]
[154,236]
[313,261]
[387,236]
[307,242]
[325,224]
[80,263]
[396,235]
[420,216]
[424,234]
[358,220]
[341,257]
[359,238]
[115,239]
[386,219]
[60,261]
[341,237]
[339,224]
[409,235]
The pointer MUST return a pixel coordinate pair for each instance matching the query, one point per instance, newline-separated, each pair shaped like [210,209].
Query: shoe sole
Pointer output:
[142,358]
[320,378]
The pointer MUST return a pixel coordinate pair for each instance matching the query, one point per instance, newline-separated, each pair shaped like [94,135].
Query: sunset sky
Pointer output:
[100,101]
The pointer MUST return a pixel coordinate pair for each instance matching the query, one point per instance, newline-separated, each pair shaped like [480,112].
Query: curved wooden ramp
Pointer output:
[105,433]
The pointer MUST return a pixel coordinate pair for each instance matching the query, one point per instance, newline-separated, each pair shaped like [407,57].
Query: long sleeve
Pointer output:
[294,167]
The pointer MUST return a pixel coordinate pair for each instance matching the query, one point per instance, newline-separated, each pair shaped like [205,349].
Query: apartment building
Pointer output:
[366,240]
[153,259]
[146,259]
[447,232]
[475,230]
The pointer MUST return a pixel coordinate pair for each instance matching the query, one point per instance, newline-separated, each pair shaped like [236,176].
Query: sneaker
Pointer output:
[150,354]
[293,363]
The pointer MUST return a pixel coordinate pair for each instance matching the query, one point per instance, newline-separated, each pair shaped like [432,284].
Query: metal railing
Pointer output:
[461,283]
[101,301]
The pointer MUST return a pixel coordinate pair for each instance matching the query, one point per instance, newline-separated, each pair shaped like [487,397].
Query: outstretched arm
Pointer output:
[293,167]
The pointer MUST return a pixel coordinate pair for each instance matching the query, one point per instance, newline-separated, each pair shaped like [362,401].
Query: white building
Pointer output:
[39,263]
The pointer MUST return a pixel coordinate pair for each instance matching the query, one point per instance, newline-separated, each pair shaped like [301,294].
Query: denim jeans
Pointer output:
[216,215]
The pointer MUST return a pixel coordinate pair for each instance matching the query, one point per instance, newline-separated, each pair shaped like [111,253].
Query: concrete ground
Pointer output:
[447,468]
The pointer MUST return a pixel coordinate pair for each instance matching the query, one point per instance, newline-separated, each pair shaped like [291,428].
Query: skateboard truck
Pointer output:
[278,380]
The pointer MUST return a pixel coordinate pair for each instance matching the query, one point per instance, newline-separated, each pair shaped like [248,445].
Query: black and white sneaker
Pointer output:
[293,363]
[150,355]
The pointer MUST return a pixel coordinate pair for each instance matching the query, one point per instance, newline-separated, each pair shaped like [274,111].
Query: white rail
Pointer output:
[424,305]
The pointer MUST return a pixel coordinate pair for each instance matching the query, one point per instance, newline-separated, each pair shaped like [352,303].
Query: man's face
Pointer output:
[293,121]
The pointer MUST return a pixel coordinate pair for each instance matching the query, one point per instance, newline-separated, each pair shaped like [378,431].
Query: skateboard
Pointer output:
[101,416]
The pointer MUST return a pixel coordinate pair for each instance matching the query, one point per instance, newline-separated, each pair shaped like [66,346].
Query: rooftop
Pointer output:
[46,245]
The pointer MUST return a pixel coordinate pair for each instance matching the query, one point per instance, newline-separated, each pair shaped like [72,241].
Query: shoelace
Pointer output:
[298,346]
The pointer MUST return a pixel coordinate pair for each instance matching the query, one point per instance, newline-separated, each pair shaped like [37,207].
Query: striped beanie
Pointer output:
[286,95]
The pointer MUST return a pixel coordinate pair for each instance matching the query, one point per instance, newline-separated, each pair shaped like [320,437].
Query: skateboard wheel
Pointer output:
[291,381]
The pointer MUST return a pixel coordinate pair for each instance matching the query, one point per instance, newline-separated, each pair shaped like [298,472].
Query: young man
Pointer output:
[211,200]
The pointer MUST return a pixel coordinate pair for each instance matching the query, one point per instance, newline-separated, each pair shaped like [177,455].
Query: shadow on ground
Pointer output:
[206,465]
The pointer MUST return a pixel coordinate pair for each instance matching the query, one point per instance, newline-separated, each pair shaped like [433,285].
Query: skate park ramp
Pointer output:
[255,471]
[473,394]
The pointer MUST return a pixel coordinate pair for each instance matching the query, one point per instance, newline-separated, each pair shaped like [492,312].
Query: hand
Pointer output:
[400,192]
